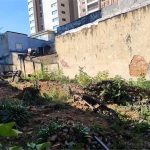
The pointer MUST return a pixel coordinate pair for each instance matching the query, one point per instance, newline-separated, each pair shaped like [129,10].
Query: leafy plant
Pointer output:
[83,78]
[101,76]
[48,130]
[96,127]
[16,114]
[121,145]
[141,127]
[6,129]
[13,112]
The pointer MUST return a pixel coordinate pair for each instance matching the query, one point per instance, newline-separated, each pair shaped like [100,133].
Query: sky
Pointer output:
[14,16]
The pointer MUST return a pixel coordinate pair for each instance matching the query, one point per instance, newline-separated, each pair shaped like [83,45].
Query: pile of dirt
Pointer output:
[102,121]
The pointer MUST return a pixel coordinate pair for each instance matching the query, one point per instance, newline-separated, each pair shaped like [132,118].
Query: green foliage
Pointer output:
[114,91]
[101,76]
[47,97]
[121,145]
[58,95]
[96,127]
[6,130]
[38,146]
[83,78]
[48,130]
[42,146]
[31,96]
[55,75]
[13,113]
[145,113]
[141,127]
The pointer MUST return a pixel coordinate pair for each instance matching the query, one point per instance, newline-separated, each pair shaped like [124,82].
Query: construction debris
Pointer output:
[86,103]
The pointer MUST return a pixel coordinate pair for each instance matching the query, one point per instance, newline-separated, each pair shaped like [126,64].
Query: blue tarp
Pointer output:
[79,22]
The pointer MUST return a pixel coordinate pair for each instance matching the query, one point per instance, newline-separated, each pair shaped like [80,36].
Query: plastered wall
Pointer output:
[120,45]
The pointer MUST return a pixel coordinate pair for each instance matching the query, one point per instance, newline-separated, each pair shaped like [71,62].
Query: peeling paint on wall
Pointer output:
[138,66]
[109,48]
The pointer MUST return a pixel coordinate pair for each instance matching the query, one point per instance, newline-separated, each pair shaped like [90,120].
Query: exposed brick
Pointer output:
[138,66]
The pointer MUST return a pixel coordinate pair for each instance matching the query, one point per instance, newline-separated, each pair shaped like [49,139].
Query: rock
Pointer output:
[93,143]
[87,147]
[56,145]
[89,139]
[65,130]
[29,132]
[53,138]
[93,147]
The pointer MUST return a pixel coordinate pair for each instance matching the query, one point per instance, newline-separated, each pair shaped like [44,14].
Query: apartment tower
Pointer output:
[49,14]
[86,7]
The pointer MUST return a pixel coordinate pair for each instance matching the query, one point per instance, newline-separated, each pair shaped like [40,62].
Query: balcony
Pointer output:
[93,6]
[88,1]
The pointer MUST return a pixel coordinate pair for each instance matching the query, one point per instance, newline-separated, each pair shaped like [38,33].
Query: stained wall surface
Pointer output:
[120,44]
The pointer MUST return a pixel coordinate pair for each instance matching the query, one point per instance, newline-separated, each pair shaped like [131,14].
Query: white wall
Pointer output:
[47,13]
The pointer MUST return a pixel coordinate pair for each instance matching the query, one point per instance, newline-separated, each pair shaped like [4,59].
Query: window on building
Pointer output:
[39,1]
[54,5]
[32,21]
[54,12]
[63,19]
[41,20]
[42,37]
[32,28]
[63,12]
[18,46]
[30,15]
[93,6]
[83,2]
[55,27]
[83,10]
[55,19]
[42,27]
[63,5]
[30,8]
[41,15]
[30,2]
[40,8]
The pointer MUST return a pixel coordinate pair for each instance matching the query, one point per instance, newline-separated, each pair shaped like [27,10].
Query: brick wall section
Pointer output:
[111,45]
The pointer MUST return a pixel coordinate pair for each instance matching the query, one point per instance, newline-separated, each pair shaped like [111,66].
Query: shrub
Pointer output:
[13,113]
[101,76]
[83,78]
[48,130]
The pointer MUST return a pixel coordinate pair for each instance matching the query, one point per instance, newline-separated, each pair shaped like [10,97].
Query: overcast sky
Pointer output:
[14,16]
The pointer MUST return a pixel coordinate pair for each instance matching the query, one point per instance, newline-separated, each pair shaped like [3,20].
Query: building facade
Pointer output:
[49,14]
[86,7]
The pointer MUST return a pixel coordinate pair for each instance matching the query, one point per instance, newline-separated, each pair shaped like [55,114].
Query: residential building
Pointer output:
[49,14]
[18,43]
[44,35]
[86,7]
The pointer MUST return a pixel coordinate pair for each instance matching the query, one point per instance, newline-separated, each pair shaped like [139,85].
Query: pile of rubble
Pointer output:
[86,103]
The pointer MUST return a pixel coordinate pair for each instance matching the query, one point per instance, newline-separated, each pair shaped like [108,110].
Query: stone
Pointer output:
[138,66]
[56,145]
[65,130]
[53,138]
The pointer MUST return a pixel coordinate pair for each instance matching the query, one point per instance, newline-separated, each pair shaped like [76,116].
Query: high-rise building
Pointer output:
[49,14]
[86,7]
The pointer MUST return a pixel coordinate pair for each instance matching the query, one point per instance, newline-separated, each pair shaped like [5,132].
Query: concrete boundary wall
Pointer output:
[120,44]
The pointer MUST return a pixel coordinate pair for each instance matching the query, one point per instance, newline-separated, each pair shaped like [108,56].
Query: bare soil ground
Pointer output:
[70,115]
